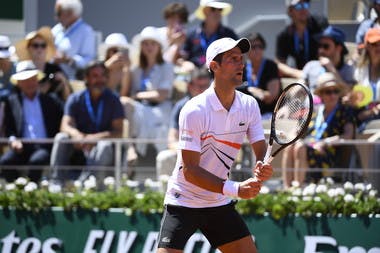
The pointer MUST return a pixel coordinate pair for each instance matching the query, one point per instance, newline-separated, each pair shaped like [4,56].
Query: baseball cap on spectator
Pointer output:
[223,45]
[45,33]
[5,43]
[328,80]
[225,7]
[336,35]
[26,70]
[290,3]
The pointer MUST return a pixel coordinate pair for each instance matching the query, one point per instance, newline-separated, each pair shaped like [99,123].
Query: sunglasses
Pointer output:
[324,46]
[301,6]
[38,45]
[213,9]
[257,46]
[331,92]
[4,48]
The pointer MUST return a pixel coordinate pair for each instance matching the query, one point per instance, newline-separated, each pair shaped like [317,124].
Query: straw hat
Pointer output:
[25,70]
[226,7]
[44,32]
[328,80]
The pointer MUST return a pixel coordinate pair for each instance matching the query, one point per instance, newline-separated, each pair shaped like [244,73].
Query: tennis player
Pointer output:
[213,125]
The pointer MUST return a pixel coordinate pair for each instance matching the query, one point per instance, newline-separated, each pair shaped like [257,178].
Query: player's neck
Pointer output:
[226,95]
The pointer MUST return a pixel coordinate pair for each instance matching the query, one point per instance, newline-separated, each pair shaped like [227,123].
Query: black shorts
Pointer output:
[220,225]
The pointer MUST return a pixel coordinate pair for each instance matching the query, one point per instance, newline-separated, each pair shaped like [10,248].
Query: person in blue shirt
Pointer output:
[90,116]
[74,39]
[210,29]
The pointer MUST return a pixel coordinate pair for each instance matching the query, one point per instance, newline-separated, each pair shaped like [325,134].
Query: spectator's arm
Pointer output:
[68,126]
[173,136]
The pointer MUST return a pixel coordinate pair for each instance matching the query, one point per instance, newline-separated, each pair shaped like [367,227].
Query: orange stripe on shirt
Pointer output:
[228,143]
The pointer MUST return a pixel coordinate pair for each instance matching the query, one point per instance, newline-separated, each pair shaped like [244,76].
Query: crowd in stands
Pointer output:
[55,84]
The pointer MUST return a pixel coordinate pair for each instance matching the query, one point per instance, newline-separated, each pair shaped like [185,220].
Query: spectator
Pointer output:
[7,67]
[261,76]
[297,40]
[174,33]
[331,52]
[210,29]
[368,23]
[367,73]
[73,38]
[150,91]
[165,160]
[29,114]
[117,62]
[38,46]
[89,117]
[331,121]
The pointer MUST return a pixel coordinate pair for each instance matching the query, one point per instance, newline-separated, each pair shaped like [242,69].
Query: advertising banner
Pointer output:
[114,231]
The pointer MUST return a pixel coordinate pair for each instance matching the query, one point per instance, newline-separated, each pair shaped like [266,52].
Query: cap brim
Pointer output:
[5,54]
[226,9]
[24,75]
[244,45]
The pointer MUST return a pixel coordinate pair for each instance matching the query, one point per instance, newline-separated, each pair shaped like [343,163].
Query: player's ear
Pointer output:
[214,65]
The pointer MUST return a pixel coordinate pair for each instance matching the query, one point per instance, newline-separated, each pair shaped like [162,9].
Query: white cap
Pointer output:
[223,45]
[5,43]
[116,40]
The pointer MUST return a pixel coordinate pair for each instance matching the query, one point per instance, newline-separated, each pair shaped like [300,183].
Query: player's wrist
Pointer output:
[231,188]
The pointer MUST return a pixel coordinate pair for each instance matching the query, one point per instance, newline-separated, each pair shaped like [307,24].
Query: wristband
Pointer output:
[231,188]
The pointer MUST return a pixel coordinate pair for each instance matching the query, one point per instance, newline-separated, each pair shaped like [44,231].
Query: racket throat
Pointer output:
[268,155]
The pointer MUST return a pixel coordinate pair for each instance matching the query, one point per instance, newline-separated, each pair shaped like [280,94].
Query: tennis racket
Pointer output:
[290,118]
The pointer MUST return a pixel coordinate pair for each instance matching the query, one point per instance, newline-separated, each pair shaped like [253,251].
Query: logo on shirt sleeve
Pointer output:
[186,135]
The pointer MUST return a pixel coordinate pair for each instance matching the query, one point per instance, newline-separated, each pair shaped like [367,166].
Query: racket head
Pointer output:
[292,114]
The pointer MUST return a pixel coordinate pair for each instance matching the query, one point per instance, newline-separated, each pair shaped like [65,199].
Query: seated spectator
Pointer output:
[151,85]
[209,30]
[29,115]
[89,117]
[331,52]
[117,62]
[261,76]
[367,73]
[38,46]
[331,121]
[368,23]
[7,66]
[73,38]
[295,44]
[165,160]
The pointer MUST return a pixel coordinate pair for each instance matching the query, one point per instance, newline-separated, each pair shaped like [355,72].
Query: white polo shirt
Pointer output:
[205,126]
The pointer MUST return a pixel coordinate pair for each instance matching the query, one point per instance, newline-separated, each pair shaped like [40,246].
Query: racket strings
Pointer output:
[291,116]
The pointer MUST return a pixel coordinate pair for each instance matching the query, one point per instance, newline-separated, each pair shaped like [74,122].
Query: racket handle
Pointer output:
[268,155]
[268,160]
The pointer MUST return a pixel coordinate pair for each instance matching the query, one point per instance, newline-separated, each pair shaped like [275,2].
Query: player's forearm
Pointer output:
[204,179]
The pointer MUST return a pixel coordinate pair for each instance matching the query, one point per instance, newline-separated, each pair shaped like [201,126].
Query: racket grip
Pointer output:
[269,159]
[268,155]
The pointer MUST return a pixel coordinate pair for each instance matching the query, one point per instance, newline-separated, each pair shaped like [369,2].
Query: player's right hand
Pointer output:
[249,188]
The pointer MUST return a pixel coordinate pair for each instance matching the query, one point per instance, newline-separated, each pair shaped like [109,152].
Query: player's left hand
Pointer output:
[262,172]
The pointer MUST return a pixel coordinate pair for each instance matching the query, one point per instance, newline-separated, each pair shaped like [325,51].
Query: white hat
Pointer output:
[26,70]
[5,43]
[116,40]
[149,33]
[223,45]
[226,7]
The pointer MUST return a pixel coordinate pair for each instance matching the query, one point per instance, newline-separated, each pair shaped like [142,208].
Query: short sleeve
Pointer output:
[190,122]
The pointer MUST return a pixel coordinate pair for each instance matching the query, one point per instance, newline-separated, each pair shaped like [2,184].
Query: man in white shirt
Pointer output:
[212,127]
[74,39]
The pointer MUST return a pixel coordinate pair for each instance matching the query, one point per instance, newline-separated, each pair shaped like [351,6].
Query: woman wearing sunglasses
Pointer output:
[332,121]
[38,47]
